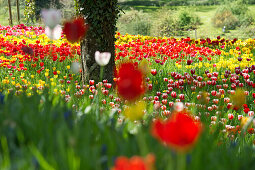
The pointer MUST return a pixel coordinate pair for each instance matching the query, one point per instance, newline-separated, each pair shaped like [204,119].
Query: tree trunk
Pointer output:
[10,12]
[101,16]
[90,69]
[18,13]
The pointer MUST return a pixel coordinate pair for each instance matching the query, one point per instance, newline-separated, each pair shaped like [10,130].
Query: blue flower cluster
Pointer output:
[1,98]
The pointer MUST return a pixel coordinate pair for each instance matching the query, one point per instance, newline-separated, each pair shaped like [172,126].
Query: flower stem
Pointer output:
[141,142]
[170,165]
[181,161]
[101,73]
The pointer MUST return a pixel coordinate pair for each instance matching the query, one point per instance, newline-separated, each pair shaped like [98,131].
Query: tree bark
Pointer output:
[18,13]
[10,12]
[90,69]
[100,37]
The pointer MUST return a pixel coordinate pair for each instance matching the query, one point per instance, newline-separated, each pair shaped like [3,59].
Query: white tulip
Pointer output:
[102,59]
[54,33]
[75,67]
[51,17]
[178,106]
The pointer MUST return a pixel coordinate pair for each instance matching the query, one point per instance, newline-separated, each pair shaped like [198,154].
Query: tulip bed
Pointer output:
[50,120]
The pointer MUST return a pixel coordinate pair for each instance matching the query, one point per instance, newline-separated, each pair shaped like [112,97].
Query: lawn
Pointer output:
[205,13]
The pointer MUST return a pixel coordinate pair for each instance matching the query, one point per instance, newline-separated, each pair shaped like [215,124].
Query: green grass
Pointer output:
[205,13]
[206,29]
[4,15]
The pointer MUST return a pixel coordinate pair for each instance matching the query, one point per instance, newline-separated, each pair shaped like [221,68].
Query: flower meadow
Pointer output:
[175,103]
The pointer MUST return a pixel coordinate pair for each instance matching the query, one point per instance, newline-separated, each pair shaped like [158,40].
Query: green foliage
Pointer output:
[172,23]
[29,11]
[43,132]
[168,22]
[166,25]
[225,17]
[233,14]
[187,20]
[45,4]
[135,22]
[33,8]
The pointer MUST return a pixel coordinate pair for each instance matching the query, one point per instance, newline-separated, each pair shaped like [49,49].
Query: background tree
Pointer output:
[101,15]
[33,8]
[41,4]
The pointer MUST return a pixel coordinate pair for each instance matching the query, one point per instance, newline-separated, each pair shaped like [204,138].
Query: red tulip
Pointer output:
[75,30]
[134,163]
[230,116]
[240,117]
[189,62]
[150,86]
[164,101]
[91,82]
[253,95]
[156,98]
[130,84]
[163,107]
[213,93]
[225,86]
[171,104]
[229,105]
[180,131]
[213,118]
[181,96]
[91,96]
[164,96]
[173,94]
[251,113]
[215,101]
[158,93]
[153,72]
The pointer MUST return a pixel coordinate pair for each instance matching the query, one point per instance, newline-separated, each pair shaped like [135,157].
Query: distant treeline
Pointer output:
[177,2]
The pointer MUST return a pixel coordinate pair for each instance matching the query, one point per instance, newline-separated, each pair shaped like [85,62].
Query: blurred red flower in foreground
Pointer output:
[180,131]
[134,163]
[75,29]
[130,81]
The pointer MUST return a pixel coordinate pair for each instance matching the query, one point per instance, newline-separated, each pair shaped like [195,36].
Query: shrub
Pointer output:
[249,31]
[171,23]
[232,15]
[166,24]
[241,11]
[225,17]
[134,22]
[187,20]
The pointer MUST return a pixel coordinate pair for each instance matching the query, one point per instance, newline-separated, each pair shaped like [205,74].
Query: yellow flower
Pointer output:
[135,111]
[68,67]
[238,99]
[246,120]
[68,89]
[53,84]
